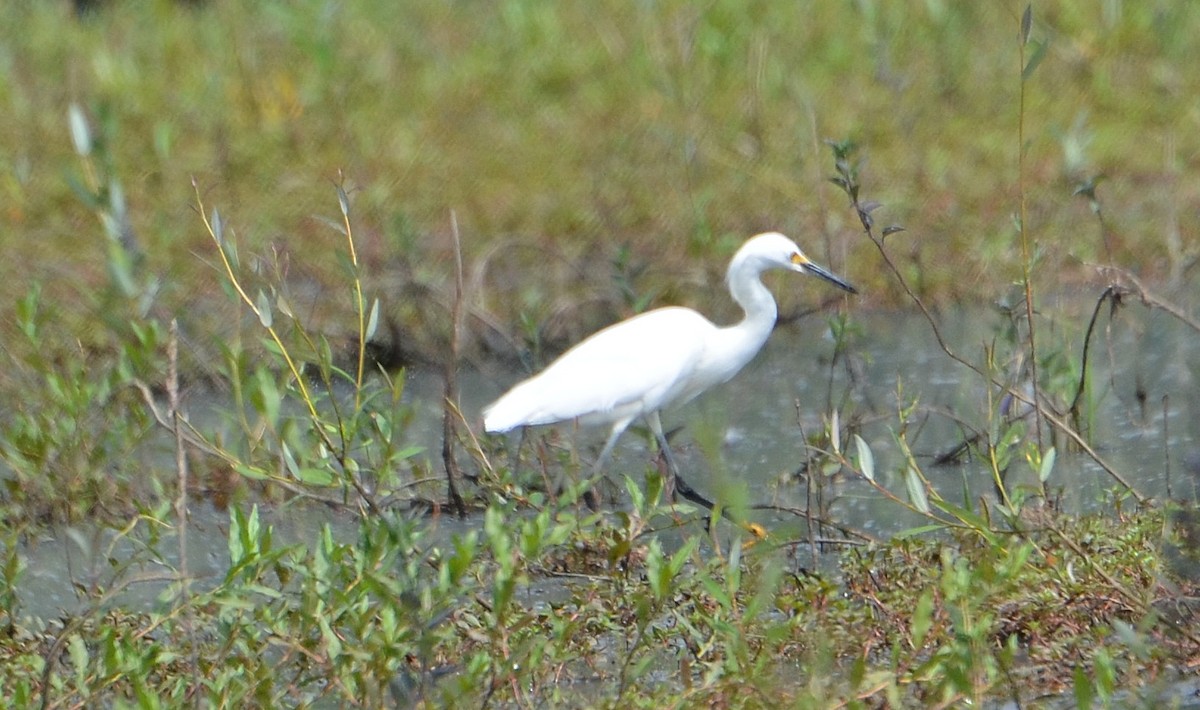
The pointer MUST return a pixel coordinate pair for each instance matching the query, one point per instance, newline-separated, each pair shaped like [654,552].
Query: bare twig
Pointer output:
[1133,286]
[181,468]
[1113,295]
[450,398]
[847,180]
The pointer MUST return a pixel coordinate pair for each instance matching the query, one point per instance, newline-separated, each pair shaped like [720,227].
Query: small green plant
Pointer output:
[74,445]
[354,441]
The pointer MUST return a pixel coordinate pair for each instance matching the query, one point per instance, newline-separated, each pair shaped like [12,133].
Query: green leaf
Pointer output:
[1083,689]
[237,550]
[263,308]
[965,515]
[637,496]
[265,397]
[866,460]
[252,472]
[231,253]
[343,201]
[120,263]
[835,432]
[919,530]
[1026,23]
[922,619]
[332,643]
[83,193]
[916,489]
[218,227]
[373,320]
[1047,464]
[1039,53]
[284,307]
[1106,673]
[662,571]
[408,453]
[81,135]
[680,558]
[116,204]
[289,461]
[79,659]
[315,476]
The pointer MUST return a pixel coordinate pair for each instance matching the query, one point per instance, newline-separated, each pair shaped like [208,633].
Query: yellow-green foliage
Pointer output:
[576,127]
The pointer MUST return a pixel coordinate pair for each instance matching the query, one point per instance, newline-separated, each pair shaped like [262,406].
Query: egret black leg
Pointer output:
[678,485]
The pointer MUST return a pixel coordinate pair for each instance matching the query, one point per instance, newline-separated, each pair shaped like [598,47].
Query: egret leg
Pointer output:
[677,484]
[589,496]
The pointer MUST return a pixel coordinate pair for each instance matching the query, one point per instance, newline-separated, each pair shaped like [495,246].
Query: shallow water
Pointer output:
[1145,422]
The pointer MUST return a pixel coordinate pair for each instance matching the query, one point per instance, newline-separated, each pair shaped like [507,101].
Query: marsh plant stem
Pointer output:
[1026,20]
[450,394]
[181,499]
[266,319]
[360,305]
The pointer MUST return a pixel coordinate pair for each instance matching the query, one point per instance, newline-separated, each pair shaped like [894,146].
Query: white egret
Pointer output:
[663,357]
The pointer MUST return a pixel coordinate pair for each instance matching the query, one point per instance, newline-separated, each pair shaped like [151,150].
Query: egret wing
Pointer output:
[636,366]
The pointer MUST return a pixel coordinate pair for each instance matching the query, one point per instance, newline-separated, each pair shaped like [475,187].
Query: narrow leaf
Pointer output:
[967,516]
[657,572]
[1039,53]
[85,195]
[922,619]
[218,227]
[1083,688]
[637,497]
[284,307]
[408,453]
[116,200]
[1047,464]
[81,136]
[79,658]
[264,310]
[315,476]
[252,472]
[892,229]
[835,433]
[1026,23]
[373,320]
[916,489]
[343,201]
[289,460]
[866,460]
[920,530]
[120,264]
[338,227]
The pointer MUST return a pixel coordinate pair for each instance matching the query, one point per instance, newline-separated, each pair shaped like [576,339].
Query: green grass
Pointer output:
[571,130]
[598,158]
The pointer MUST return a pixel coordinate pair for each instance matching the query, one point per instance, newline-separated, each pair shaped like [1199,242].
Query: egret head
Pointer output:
[773,250]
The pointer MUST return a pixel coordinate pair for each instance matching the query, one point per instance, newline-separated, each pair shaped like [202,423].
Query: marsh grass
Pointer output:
[581,129]
[568,141]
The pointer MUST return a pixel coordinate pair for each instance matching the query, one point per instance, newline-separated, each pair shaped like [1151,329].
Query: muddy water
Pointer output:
[1144,421]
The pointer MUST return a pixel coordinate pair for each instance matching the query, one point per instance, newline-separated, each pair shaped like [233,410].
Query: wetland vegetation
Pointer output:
[237,231]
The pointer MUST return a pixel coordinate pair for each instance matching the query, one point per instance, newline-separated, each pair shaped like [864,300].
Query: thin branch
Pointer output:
[450,398]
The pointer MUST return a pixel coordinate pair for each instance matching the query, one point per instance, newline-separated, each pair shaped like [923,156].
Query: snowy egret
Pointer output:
[663,357]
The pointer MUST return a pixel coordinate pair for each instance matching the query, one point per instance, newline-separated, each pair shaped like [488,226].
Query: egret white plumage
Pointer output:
[663,357]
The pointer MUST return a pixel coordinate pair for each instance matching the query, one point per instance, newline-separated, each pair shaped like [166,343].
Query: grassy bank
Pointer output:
[604,147]
[259,202]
